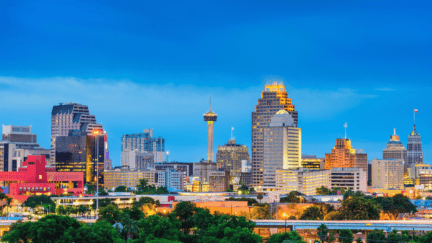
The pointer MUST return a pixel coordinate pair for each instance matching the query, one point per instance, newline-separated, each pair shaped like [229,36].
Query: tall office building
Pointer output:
[142,142]
[388,173]
[344,156]
[70,116]
[273,99]
[303,180]
[18,143]
[414,146]
[348,178]
[80,152]
[395,149]
[282,147]
[230,157]
[135,160]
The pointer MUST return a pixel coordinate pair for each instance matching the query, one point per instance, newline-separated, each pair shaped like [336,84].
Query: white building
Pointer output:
[282,147]
[388,173]
[136,160]
[302,180]
[348,178]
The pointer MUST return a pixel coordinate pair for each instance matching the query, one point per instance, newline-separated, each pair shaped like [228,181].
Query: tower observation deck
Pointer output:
[210,117]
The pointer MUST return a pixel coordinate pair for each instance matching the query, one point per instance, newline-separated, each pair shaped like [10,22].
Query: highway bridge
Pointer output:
[367,225]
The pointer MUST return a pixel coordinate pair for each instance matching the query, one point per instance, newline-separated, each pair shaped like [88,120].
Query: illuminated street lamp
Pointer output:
[285,216]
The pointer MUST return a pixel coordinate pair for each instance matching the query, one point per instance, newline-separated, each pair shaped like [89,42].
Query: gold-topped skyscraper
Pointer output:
[210,117]
[273,99]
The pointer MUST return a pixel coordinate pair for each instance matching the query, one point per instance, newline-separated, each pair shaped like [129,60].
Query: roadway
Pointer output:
[386,225]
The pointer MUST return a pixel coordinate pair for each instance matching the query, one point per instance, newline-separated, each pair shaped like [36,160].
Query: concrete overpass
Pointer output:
[367,225]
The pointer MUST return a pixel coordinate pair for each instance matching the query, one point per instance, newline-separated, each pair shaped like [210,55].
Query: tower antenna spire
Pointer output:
[210,103]
[394,131]
[345,125]
[232,129]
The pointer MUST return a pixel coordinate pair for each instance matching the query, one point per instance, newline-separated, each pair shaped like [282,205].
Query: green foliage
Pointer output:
[312,213]
[261,211]
[103,193]
[134,213]
[102,203]
[18,233]
[36,201]
[375,236]
[51,227]
[323,191]
[184,212]
[292,197]
[359,240]
[145,200]
[345,236]
[100,232]
[396,205]
[427,238]
[331,237]
[110,213]
[121,189]
[250,201]
[144,188]
[244,190]
[260,196]
[159,227]
[292,236]
[358,208]
[292,217]
[335,215]
[322,232]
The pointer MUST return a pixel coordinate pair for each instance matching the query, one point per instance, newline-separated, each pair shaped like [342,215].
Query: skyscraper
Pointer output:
[344,156]
[282,147]
[230,156]
[414,146]
[395,149]
[65,117]
[210,117]
[142,142]
[388,173]
[273,99]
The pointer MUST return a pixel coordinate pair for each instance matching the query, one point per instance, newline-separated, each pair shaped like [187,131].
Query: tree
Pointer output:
[134,213]
[184,212]
[325,208]
[51,227]
[110,213]
[103,193]
[345,236]
[331,237]
[156,226]
[250,201]
[244,190]
[99,232]
[260,211]
[322,232]
[359,240]
[358,208]
[335,215]
[146,200]
[102,203]
[61,210]
[36,201]
[18,233]
[130,226]
[323,191]
[393,206]
[311,213]
[260,196]
[292,236]
[427,238]
[375,236]
[121,189]
[291,198]
[393,237]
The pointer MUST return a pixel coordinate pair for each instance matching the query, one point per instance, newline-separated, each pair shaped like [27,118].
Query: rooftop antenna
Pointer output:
[345,125]
[210,103]
[232,129]
[394,131]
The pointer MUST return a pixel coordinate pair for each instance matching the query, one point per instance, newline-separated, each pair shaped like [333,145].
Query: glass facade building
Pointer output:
[414,147]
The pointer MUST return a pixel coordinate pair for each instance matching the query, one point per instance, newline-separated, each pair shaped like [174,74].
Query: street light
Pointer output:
[285,216]
[96,132]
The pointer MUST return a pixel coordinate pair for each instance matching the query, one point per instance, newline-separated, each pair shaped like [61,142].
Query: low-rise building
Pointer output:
[348,178]
[426,178]
[312,162]
[302,180]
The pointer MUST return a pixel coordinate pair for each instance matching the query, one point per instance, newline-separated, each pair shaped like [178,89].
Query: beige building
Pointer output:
[312,162]
[282,147]
[273,99]
[130,178]
[229,157]
[395,149]
[302,180]
[388,173]
[425,178]
[348,178]
[219,181]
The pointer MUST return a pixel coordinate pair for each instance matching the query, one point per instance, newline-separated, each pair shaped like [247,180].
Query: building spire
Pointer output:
[394,131]
[232,129]
[345,125]
[210,103]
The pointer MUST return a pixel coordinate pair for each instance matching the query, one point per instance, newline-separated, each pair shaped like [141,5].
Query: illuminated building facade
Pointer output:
[185,167]
[344,156]
[230,157]
[348,178]
[303,180]
[414,147]
[219,181]
[138,160]
[312,162]
[144,143]
[282,147]
[388,173]
[395,149]
[426,178]
[35,178]
[129,178]
[273,99]
[210,117]
[70,116]
[77,153]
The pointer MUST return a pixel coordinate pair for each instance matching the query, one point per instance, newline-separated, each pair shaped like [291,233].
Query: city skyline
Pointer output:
[156,65]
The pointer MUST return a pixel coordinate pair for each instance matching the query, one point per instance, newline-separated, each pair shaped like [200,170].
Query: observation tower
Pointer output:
[210,117]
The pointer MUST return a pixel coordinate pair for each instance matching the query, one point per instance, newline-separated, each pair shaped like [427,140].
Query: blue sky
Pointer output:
[154,64]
